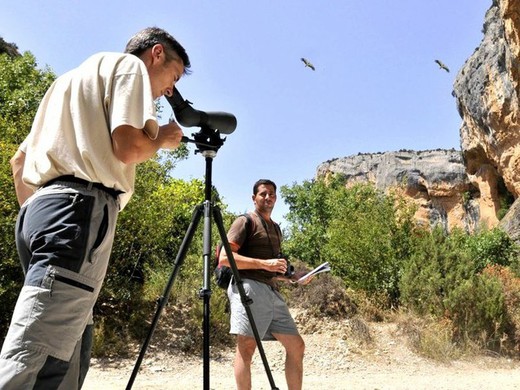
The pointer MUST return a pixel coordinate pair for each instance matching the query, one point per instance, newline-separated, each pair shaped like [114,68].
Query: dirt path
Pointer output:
[331,362]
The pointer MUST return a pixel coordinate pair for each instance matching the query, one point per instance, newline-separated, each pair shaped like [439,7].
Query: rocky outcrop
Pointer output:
[435,180]
[10,48]
[487,92]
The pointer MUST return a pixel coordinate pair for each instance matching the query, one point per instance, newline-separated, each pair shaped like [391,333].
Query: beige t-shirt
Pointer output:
[71,133]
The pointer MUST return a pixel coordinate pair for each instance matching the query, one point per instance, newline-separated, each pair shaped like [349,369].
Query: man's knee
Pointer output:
[294,345]
[297,347]
[246,347]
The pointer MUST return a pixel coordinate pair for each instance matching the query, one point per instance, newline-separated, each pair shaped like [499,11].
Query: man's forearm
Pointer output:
[245,262]
[133,146]
[22,191]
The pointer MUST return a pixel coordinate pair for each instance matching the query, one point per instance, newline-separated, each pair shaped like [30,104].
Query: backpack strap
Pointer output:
[280,234]
[249,233]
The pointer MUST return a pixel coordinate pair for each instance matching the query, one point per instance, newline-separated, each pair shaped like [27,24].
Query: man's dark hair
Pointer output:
[265,182]
[151,36]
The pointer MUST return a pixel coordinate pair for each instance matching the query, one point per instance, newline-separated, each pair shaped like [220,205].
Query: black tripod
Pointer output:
[208,142]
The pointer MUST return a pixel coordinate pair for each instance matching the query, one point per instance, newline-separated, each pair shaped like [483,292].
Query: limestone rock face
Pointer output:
[435,180]
[487,93]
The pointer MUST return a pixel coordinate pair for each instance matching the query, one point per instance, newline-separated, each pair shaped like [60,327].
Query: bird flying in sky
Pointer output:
[308,64]
[442,66]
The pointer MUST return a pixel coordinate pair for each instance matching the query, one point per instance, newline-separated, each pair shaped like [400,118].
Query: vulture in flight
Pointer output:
[442,66]
[307,63]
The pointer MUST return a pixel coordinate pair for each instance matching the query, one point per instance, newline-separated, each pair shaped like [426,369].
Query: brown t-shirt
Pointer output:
[263,243]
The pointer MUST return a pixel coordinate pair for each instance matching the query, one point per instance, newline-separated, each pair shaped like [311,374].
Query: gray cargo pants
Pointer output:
[64,236]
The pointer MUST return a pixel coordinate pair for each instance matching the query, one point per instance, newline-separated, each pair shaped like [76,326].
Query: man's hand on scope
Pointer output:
[170,135]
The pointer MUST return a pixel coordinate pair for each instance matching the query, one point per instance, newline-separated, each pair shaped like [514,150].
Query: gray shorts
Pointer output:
[270,312]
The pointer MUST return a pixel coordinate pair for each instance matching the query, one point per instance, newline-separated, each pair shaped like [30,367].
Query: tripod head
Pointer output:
[208,141]
[211,124]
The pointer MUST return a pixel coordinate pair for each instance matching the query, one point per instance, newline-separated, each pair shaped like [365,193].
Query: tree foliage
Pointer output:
[363,233]
[309,216]
[22,85]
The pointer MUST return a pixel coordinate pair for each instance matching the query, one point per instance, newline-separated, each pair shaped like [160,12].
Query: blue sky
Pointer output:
[376,87]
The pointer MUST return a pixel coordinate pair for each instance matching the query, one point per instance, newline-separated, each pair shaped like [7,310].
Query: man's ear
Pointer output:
[157,52]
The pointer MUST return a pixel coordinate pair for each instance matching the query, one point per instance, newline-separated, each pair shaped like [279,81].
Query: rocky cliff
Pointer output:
[435,180]
[475,185]
[487,93]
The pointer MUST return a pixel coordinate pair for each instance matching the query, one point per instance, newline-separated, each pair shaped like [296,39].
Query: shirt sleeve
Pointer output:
[131,101]
[237,231]
[23,146]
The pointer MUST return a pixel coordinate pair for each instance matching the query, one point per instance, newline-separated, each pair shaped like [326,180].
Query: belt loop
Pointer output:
[90,185]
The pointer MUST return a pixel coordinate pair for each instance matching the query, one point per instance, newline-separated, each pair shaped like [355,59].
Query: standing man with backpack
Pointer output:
[261,265]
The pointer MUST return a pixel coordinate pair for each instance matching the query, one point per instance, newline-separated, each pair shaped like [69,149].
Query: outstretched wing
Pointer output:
[307,63]
[442,66]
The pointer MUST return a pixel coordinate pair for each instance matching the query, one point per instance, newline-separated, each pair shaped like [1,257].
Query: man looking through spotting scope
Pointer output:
[73,173]
[260,268]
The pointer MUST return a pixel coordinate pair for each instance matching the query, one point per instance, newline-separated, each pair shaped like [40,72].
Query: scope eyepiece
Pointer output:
[188,116]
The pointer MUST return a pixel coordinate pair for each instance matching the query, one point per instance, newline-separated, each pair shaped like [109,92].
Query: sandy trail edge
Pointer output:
[330,363]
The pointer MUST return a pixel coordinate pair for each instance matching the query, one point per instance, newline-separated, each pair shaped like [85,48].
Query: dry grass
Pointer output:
[430,338]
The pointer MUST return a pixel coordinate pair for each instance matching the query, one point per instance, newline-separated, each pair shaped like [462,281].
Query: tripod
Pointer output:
[208,142]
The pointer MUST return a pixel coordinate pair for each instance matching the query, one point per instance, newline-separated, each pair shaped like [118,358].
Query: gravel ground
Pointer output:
[333,361]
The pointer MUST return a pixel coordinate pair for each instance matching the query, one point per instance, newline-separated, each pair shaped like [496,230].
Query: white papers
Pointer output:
[325,267]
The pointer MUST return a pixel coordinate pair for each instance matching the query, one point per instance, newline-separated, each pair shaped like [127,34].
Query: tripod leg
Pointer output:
[205,293]
[179,260]
[246,301]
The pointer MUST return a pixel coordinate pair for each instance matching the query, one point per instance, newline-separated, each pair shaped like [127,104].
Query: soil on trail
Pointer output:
[333,361]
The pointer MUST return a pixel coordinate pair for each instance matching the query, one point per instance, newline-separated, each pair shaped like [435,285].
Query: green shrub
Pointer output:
[509,340]
[422,280]
[446,277]
[477,309]
[491,246]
